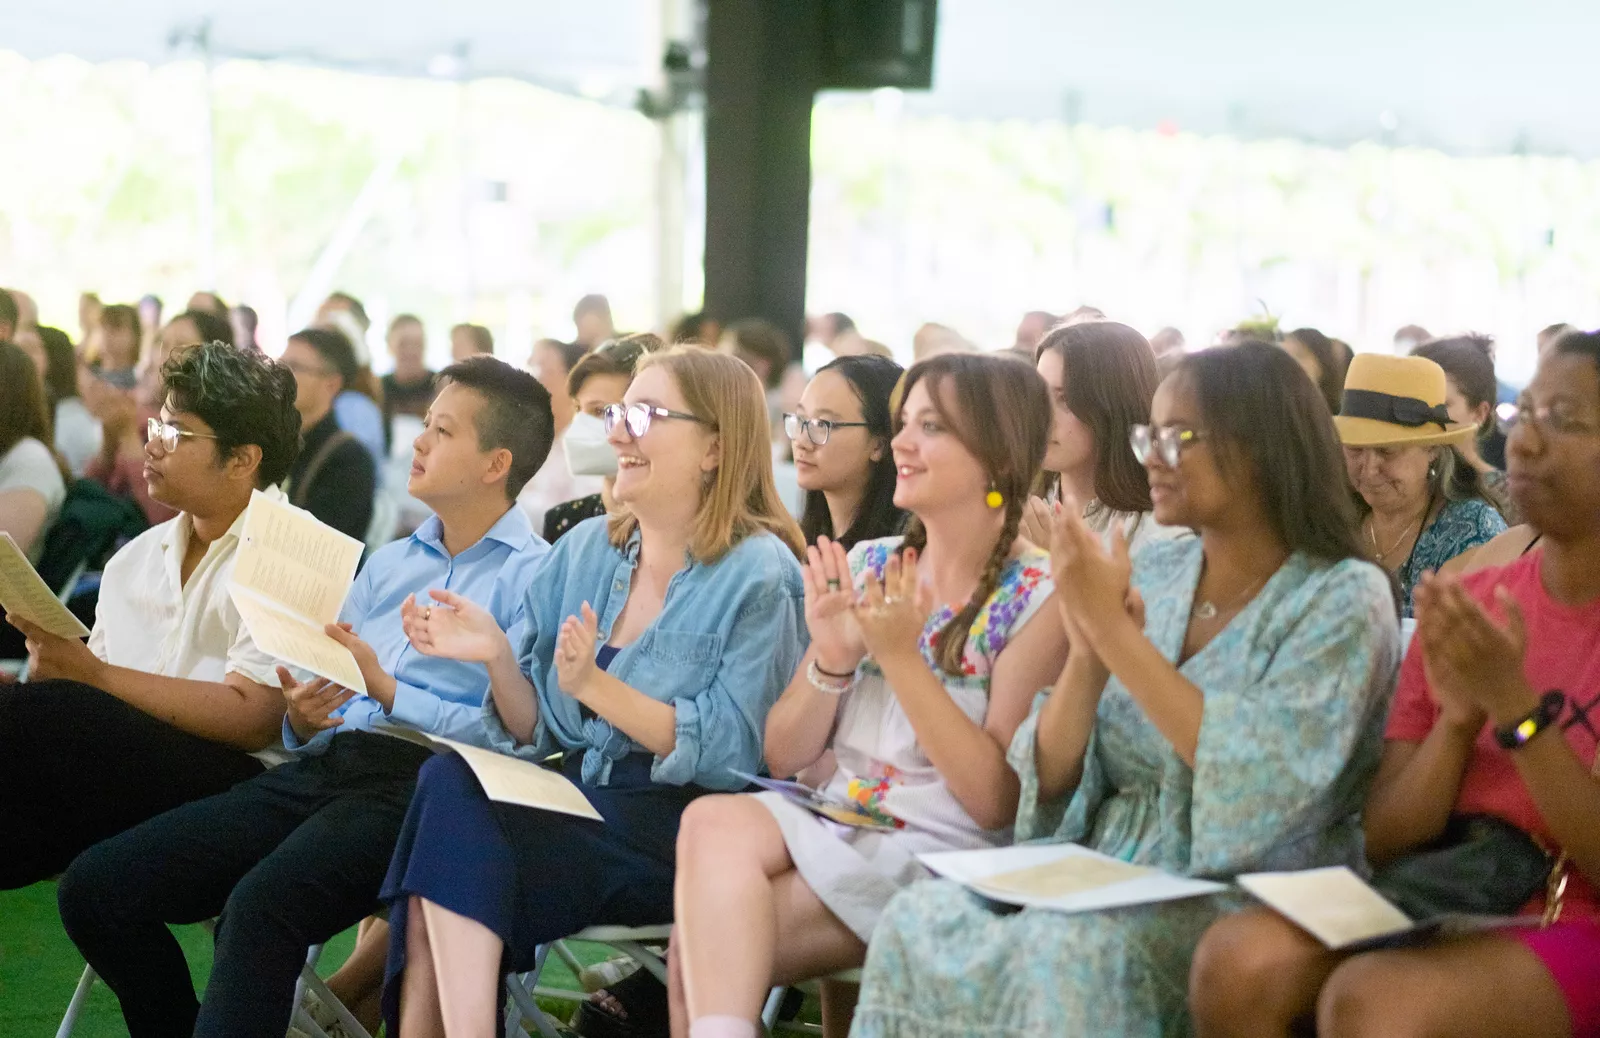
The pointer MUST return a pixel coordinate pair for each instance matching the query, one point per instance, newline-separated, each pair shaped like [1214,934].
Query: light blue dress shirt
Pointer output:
[360,417]
[727,642]
[433,695]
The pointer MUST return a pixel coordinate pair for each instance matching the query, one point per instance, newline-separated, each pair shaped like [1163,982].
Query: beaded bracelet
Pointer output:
[831,685]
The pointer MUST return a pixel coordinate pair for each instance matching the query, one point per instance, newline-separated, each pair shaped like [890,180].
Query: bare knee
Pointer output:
[728,829]
[1253,973]
[1363,999]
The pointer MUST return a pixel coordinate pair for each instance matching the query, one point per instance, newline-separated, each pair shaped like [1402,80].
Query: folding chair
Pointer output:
[638,943]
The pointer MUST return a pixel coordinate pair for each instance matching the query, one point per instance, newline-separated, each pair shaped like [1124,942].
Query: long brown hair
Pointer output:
[23,411]
[1111,377]
[999,408]
[740,498]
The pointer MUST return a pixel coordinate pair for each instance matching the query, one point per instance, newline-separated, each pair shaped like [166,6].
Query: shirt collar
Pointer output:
[182,528]
[512,529]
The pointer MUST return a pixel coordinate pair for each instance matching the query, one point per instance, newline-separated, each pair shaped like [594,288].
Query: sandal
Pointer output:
[635,1007]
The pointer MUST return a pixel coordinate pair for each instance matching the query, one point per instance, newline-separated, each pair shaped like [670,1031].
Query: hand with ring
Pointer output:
[452,627]
[892,614]
[835,637]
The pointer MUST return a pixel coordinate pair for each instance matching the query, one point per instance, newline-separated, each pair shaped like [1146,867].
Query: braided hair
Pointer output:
[999,408]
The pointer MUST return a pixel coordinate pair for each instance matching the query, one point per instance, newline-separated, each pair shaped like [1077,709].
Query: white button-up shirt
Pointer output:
[149,620]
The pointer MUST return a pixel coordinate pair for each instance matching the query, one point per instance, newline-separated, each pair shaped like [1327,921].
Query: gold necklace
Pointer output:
[1207,611]
[1372,535]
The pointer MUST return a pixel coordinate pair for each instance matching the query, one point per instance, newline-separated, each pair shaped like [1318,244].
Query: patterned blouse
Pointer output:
[1458,526]
[1296,687]
[880,765]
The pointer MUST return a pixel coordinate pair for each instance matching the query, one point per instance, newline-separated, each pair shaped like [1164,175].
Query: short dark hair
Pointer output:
[691,328]
[594,303]
[616,357]
[1331,384]
[9,314]
[334,349]
[517,416]
[210,327]
[1579,344]
[841,322]
[765,340]
[1261,411]
[571,352]
[482,340]
[873,379]
[352,304]
[1467,364]
[249,320]
[61,364]
[246,398]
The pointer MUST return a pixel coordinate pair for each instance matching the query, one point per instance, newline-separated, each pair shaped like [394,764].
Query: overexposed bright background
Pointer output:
[500,202]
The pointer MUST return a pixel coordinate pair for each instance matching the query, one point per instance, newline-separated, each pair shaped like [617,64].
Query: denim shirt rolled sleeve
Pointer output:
[433,695]
[724,646]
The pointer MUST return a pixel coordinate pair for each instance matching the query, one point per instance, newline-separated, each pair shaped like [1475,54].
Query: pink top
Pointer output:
[1563,653]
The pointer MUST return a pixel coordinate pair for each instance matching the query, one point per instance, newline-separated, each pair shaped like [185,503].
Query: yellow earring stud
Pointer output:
[994,499]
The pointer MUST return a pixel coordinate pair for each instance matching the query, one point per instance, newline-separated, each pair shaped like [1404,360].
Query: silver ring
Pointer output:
[891,600]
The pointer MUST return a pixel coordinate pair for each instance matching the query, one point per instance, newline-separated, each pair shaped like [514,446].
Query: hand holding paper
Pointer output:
[24,594]
[290,578]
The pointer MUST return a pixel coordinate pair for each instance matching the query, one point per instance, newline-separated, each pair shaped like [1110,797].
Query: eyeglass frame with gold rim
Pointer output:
[794,426]
[1548,419]
[168,435]
[1166,442]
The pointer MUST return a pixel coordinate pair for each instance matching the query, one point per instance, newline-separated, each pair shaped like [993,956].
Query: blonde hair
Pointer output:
[740,497]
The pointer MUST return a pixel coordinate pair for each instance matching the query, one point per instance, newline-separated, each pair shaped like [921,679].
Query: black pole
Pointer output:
[763,69]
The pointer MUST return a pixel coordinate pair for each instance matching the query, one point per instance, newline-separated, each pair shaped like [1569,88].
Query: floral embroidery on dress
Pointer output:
[995,623]
[867,793]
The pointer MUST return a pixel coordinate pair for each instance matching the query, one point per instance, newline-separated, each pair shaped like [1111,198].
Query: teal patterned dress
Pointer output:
[1458,526]
[1296,690]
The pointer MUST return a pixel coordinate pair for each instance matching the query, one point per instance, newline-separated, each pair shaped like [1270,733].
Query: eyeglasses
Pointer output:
[1165,442]
[637,417]
[310,370]
[1556,418]
[157,431]
[817,430]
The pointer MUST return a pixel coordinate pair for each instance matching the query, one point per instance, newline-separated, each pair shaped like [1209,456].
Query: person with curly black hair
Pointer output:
[170,700]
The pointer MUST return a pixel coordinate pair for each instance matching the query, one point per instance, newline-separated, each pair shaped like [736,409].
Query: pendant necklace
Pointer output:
[1206,610]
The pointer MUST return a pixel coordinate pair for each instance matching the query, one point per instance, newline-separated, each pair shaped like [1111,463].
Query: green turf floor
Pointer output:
[39,968]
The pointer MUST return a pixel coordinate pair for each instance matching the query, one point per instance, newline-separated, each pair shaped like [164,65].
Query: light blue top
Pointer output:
[433,695]
[363,419]
[727,641]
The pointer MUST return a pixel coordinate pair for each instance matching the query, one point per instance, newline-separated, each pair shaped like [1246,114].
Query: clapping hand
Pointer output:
[452,627]
[575,653]
[311,704]
[1038,517]
[1092,583]
[830,608]
[1473,661]
[892,615]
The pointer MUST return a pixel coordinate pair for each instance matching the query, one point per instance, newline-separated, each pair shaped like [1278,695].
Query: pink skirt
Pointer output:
[1571,952]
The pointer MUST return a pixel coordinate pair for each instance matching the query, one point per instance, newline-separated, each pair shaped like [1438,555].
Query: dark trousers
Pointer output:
[288,860]
[78,765]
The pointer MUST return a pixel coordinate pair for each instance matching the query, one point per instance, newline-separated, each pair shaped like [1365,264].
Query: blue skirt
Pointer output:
[533,876]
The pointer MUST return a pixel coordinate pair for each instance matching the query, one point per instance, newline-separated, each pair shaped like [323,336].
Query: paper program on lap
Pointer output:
[1063,877]
[290,577]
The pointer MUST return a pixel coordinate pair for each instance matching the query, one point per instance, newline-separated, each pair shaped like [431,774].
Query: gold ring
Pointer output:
[833,585]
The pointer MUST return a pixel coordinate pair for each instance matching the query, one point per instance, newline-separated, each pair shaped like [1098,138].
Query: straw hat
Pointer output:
[1396,402]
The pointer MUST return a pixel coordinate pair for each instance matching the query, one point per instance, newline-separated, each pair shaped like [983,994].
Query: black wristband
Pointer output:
[825,672]
[1516,735]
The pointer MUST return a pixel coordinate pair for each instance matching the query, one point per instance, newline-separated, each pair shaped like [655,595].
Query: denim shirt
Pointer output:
[727,641]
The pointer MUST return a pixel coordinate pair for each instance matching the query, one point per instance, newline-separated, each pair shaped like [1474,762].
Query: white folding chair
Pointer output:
[75,1007]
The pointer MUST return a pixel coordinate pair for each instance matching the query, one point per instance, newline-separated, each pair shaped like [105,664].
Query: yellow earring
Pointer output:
[994,499]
